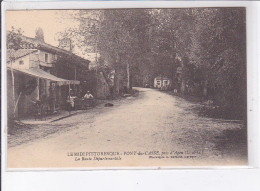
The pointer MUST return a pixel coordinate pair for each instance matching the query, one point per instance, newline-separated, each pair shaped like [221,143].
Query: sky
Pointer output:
[51,21]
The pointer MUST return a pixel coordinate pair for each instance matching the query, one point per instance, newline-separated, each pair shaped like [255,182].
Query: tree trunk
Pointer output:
[17,102]
[13,90]
[183,79]
[116,83]
[205,89]
[128,77]
[183,85]
[131,82]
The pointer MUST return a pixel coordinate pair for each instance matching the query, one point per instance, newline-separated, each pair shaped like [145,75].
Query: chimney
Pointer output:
[65,44]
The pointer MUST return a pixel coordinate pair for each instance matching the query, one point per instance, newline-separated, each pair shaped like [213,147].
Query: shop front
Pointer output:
[35,92]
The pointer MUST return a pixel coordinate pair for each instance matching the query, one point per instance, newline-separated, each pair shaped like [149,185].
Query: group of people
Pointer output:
[48,104]
[71,99]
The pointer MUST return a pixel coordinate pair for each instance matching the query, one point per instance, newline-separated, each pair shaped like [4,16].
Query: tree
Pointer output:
[118,36]
[39,35]
[14,41]
[208,44]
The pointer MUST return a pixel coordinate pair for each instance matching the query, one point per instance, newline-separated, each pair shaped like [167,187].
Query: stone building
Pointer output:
[32,69]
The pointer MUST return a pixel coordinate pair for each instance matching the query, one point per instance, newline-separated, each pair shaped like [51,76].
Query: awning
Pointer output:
[39,73]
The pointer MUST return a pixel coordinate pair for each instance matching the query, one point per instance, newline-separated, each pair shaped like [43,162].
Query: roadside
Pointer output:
[206,108]
[151,121]
[61,114]
[49,118]
[21,132]
[232,141]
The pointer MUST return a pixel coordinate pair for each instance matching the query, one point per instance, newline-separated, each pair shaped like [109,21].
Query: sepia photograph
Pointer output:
[126,88]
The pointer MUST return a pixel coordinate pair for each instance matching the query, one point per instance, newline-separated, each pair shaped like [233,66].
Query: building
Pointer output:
[163,83]
[40,71]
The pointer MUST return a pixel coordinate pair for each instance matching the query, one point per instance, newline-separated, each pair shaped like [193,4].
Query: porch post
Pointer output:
[69,89]
[75,78]
[37,89]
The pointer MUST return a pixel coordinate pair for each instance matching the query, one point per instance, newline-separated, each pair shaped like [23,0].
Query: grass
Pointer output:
[203,108]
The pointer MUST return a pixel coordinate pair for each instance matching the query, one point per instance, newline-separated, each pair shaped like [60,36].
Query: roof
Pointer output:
[12,54]
[39,73]
[44,46]
[161,78]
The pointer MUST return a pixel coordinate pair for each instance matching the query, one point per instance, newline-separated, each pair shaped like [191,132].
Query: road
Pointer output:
[149,123]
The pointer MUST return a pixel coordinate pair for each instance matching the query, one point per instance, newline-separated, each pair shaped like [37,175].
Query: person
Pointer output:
[71,100]
[89,99]
[88,95]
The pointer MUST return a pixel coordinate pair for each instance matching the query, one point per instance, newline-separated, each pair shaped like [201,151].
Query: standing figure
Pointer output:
[71,100]
[52,97]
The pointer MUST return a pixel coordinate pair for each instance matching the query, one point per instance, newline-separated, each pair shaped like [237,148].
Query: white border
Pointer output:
[121,4]
[253,92]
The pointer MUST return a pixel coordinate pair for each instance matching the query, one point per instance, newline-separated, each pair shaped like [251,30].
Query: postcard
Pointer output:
[126,88]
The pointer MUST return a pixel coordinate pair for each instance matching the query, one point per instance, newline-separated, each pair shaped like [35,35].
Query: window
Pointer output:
[158,82]
[54,57]
[21,62]
[46,57]
[165,82]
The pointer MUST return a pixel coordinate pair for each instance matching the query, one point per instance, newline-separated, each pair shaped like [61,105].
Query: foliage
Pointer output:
[14,39]
[209,44]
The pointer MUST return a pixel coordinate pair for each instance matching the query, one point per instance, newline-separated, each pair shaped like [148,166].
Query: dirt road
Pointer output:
[150,129]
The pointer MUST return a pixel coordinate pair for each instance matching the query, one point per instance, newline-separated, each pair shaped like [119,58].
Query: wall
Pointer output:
[10,103]
[155,83]
[38,58]
[25,65]
[25,105]
[41,57]
[34,60]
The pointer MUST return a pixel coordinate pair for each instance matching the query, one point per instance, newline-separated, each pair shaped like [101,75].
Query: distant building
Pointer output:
[65,44]
[163,83]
